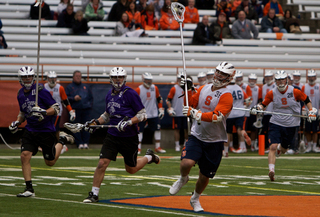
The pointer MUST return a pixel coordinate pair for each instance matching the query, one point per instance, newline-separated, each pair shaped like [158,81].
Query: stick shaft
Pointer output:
[38,53]
[272,113]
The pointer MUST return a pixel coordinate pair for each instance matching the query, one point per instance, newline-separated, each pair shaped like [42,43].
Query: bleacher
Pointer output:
[307,6]
[159,53]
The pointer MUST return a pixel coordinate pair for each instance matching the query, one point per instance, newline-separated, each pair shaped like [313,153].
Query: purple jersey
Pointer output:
[45,101]
[126,103]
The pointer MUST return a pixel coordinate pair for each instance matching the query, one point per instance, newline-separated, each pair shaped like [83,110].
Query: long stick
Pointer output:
[39,3]
[178,13]
[273,113]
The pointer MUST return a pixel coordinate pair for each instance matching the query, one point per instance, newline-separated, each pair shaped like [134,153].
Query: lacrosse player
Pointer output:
[282,128]
[40,130]
[296,79]
[152,101]
[311,129]
[209,109]
[124,109]
[175,104]
[202,79]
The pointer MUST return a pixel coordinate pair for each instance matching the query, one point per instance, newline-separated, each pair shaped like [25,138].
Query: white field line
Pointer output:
[107,205]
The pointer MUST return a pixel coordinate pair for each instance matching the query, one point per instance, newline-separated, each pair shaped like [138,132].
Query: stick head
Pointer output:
[178,11]
[75,128]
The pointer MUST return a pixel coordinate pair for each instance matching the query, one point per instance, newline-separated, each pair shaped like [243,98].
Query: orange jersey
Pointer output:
[167,22]
[149,22]
[298,95]
[136,16]
[191,15]
[267,8]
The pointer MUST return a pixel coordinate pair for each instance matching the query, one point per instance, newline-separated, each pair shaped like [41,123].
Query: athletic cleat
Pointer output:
[225,154]
[175,188]
[278,150]
[308,148]
[66,137]
[64,149]
[139,151]
[160,150]
[80,146]
[290,151]
[91,198]
[178,148]
[27,193]
[271,176]
[246,137]
[196,205]
[232,149]
[240,150]
[85,146]
[155,158]
[316,149]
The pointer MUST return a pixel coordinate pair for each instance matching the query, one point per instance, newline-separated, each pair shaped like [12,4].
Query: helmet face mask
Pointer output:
[238,78]
[52,78]
[26,77]
[202,78]
[252,79]
[118,77]
[312,77]
[147,79]
[223,75]
[210,75]
[281,78]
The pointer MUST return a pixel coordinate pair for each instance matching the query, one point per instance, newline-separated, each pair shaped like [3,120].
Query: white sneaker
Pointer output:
[27,193]
[85,146]
[160,150]
[64,149]
[80,146]
[178,148]
[290,151]
[240,150]
[308,149]
[316,149]
[175,188]
[196,205]
[67,137]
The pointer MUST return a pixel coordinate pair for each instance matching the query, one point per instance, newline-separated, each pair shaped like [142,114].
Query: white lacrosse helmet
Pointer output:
[296,76]
[296,73]
[210,75]
[53,75]
[269,74]
[312,77]
[281,75]
[114,73]
[290,77]
[238,75]
[147,79]
[180,74]
[202,78]
[253,77]
[25,72]
[224,74]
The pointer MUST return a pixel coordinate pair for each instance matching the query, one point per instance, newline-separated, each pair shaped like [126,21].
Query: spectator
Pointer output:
[94,11]
[133,14]
[81,99]
[166,6]
[201,35]
[291,23]
[167,21]
[220,29]
[157,4]
[271,23]
[117,10]
[273,4]
[225,7]
[3,43]
[257,7]
[80,25]
[191,14]
[142,5]
[249,10]
[264,2]
[66,18]
[45,12]
[242,28]
[62,6]
[149,20]
[235,4]
[205,4]
[126,29]
[84,4]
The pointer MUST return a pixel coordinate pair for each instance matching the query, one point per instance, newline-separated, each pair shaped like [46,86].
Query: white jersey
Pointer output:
[313,93]
[177,103]
[55,92]
[265,90]
[208,131]
[244,87]
[149,100]
[238,100]
[255,95]
[285,103]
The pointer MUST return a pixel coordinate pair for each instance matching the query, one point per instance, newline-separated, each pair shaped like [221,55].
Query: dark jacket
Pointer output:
[65,20]
[205,4]
[116,11]
[251,15]
[80,28]
[84,91]
[45,12]
[3,43]
[216,30]
[200,35]
[267,23]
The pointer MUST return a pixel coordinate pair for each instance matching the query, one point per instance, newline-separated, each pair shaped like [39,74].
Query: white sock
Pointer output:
[177,143]
[310,144]
[271,167]
[226,149]
[231,144]
[256,143]
[195,195]
[95,191]
[149,158]
[243,145]
[183,178]
[157,144]
[139,146]
[140,135]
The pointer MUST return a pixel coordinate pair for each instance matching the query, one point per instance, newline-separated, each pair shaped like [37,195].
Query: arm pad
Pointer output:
[142,115]
[159,99]
[307,100]
[106,117]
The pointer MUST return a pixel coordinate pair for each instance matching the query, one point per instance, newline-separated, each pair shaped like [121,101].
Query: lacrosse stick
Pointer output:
[38,4]
[76,128]
[272,113]
[302,144]
[4,141]
[178,13]
[258,124]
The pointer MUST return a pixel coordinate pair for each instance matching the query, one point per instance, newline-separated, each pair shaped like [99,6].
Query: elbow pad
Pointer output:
[106,117]
[159,99]
[142,115]
[168,100]
[56,108]
[307,100]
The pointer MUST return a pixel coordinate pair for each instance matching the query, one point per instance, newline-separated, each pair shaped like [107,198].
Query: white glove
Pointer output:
[72,114]
[248,102]
[312,114]
[121,127]
[39,113]
[254,110]
[14,126]
[193,113]
[161,113]
[217,118]
[171,112]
